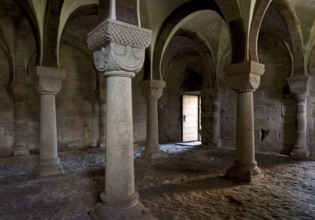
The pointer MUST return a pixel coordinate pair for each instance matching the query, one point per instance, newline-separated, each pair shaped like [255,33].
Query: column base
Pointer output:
[244,172]
[301,152]
[21,150]
[215,143]
[101,143]
[152,155]
[48,168]
[120,208]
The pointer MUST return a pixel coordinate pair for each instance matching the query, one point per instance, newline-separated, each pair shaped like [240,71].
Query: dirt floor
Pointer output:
[187,185]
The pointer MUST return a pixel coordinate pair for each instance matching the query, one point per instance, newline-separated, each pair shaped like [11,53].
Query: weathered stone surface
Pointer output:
[119,61]
[48,85]
[152,91]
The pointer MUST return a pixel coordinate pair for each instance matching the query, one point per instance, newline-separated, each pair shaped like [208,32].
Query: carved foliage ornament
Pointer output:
[116,57]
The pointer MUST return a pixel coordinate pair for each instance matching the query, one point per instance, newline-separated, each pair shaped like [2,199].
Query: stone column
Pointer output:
[244,79]
[119,53]
[215,139]
[152,91]
[19,92]
[300,87]
[48,85]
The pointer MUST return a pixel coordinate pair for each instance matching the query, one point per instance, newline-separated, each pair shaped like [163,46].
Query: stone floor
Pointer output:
[187,185]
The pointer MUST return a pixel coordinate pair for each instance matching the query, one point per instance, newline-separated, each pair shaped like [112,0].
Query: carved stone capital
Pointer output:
[244,76]
[152,89]
[18,92]
[299,85]
[49,79]
[117,57]
[120,33]
[118,46]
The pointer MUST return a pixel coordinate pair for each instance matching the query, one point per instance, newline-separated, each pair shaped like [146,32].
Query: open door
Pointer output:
[190,117]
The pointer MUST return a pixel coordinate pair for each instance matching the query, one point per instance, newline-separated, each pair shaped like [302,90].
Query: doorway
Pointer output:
[190,118]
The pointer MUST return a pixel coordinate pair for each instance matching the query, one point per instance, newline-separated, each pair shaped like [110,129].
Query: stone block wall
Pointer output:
[76,103]
[274,106]
[77,107]
[311,104]
[7,126]
[7,123]
[139,111]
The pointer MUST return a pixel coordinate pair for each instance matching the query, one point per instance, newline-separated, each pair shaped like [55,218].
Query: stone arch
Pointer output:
[310,49]
[35,16]
[287,11]
[10,63]
[72,10]
[170,103]
[169,27]
[206,50]
[255,29]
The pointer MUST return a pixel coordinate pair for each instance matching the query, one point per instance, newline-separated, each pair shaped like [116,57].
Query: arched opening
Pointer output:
[191,65]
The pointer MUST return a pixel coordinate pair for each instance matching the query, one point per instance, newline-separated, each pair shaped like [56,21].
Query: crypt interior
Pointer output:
[157,109]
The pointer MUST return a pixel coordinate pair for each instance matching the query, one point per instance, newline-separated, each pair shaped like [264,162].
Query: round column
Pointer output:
[49,84]
[300,87]
[119,63]
[215,138]
[119,179]
[152,90]
[244,78]
[19,93]
[300,149]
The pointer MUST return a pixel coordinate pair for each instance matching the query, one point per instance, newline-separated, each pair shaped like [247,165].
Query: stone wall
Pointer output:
[181,75]
[139,111]
[7,126]
[311,104]
[274,105]
[76,103]
[76,106]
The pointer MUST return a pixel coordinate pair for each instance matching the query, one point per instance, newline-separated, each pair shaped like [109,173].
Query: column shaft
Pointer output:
[300,86]
[245,167]
[152,91]
[301,121]
[245,144]
[48,129]
[20,148]
[19,93]
[215,138]
[119,142]
[300,148]
[152,143]
[49,162]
